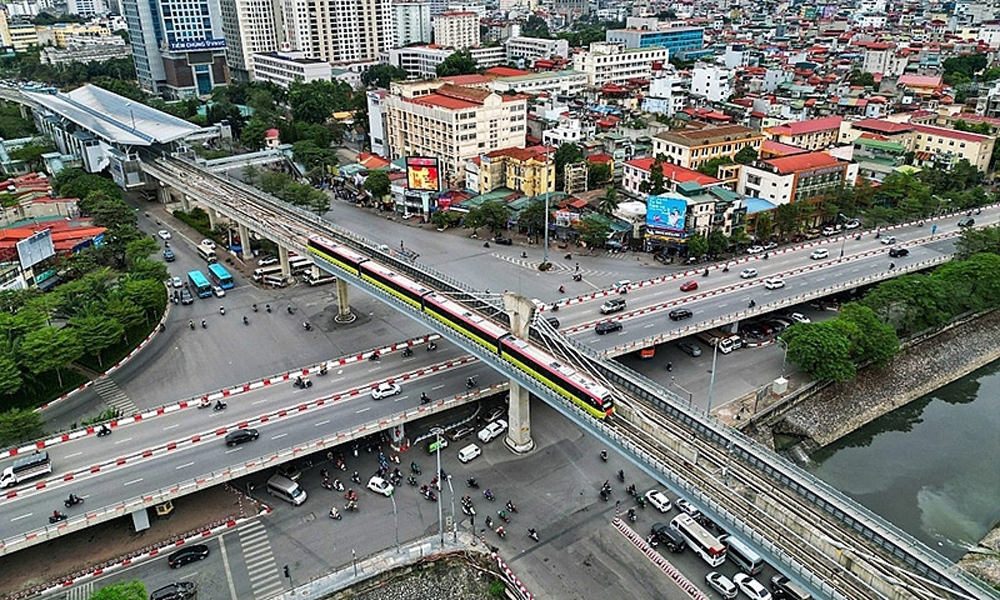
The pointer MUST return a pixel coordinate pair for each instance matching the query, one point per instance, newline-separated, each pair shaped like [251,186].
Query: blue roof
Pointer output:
[755,205]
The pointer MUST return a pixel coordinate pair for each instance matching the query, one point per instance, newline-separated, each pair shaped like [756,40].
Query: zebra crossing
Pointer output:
[264,577]
[562,266]
[79,592]
[114,397]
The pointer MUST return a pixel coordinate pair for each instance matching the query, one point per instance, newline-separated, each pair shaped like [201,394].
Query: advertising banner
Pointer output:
[423,174]
[666,212]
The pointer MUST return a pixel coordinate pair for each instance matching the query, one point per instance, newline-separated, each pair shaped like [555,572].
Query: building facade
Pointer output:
[283,68]
[614,63]
[712,83]
[676,40]
[411,23]
[637,171]
[452,123]
[251,27]
[531,49]
[815,134]
[690,148]
[667,94]
[458,30]
[527,171]
[557,82]
[348,31]
[796,178]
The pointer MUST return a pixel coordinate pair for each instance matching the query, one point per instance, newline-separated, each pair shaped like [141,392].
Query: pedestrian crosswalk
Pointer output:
[563,266]
[79,592]
[114,397]
[264,577]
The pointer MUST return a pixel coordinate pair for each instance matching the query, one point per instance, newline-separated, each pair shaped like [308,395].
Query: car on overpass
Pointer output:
[689,286]
[966,222]
[680,313]
[819,254]
[748,273]
[898,252]
[385,390]
[774,283]
[659,500]
[613,305]
[241,436]
[608,327]
[722,584]
[751,587]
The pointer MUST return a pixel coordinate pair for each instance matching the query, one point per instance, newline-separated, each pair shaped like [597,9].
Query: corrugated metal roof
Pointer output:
[115,118]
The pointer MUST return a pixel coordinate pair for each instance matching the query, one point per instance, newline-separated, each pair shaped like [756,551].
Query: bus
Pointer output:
[207,254]
[707,546]
[220,276]
[299,264]
[262,272]
[200,285]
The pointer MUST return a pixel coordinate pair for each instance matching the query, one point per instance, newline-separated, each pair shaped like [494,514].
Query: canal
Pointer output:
[930,467]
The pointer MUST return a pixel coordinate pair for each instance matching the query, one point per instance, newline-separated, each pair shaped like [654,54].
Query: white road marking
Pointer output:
[279,436]
[358,412]
[133,481]
[21,517]
[256,402]
[74,455]
[184,466]
[437,387]
[123,441]
[169,427]
[321,423]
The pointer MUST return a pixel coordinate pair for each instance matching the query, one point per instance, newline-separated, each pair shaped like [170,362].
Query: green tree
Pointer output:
[711,167]
[536,27]
[19,425]
[717,242]
[821,350]
[746,155]
[377,184]
[859,77]
[253,134]
[147,294]
[31,154]
[871,339]
[443,219]
[130,590]
[493,215]
[459,63]
[48,349]
[97,332]
[786,219]
[697,245]
[960,69]
[316,101]
[124,311]
[764,226]
[531,219]
[974,241]
[594,230]
[609,202]
[910,303]
[656,183]
[139,249]
[10,376]
[566,153]
[598,174]
[381,75]
[152,270]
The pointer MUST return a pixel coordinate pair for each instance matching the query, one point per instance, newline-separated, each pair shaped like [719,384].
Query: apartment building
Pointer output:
[690,148]
[796,178]
[712,83]
[419,61]
[339,31]
[668,94]
[614,63]
[61,34]
[452,123]
[283,68]
[411,23]
[531,49]
[376,121]
[568,129]
[19,34]
[814,134]
[458,30]
[934,147]
[550,82]
[636,171]
[251,27]
[676,40]
[527,171]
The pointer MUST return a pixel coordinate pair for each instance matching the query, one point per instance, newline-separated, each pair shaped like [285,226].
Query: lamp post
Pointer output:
[784,354]
[437,431]
[711,381]
[454,522]
[395,518]
[545,247]
[843,240]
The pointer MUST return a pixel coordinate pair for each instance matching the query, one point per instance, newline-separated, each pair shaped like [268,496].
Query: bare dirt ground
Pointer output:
[109,543]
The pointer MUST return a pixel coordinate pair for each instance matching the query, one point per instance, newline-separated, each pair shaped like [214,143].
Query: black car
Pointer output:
[503,241]
[680,313]
[187,554]
[182,590]
[898,252]
[608,327]
[672,540]
[966,222]
[240,436]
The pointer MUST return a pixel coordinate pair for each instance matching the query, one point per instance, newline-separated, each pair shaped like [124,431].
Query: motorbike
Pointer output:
[562,289]
[267,307]
[355,477]
[415,468]
[204,324]
[424,399]
[604,455]
[631,515]
[220,405]
[222,310]
[651,540]
[705,272]
[335,514]
[431,347]
[470,383]
[352,505]
[751,304]
[337,485]
[430,495]
[341,465]
[533,534]
[503,516]
[373,356]
[103,431]
[621,475]
[501,532]
[246,321]
[489,495]
[569,256]
[303,383]
[327,485]
[253,307]
[73,500]
[471,482]
[291,310]
[351,495]
[632,491]
[577,277]
[204,404]
[469,510]
[411,480]
[323,370]
[511,506]
[407,352]
[56,517]
[766,255]
[605,494]
[191,325]
[307,326]
[641,501]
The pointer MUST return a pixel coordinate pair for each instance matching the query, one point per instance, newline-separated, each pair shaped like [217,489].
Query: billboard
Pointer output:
[194,45]
[423,174]
[35,249]
[666,212]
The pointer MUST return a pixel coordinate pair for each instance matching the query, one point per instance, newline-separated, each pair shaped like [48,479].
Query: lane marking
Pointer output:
[184,466]
[321,423]
[133,481]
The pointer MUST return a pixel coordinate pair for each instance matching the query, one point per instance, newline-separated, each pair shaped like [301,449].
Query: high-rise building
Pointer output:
[178,46]
[251,27]
[86,8]
[339,31]
[411,23]
[457,30]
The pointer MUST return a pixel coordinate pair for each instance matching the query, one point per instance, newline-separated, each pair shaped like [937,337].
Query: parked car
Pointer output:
[495,413]
[828,231]
[690,348]
[722,584]
[689,286]
[659,500]
[680,313]
[819,254]
[384,390]
[755,249]
[290,471]
[208,243]
[613,305]
[966,222]
[267,261]
[492,431]
[852,224]
[503,241]
[799,317]
[187,554]
[608,327]
[770,246]
[748,273]
[218,291]
[774,283]
[751,587]
[461,432]
[898,252]
[164,234]
[241,436]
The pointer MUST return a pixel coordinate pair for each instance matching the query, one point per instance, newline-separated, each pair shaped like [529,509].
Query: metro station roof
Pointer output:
[115,118]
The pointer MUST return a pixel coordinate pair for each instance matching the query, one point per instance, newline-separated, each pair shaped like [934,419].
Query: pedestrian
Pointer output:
[670,366]
[618,505]
[577,267]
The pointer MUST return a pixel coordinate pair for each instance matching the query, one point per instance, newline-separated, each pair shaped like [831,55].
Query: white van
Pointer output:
[274,280]
[742,556]
[469,452]
[286,489]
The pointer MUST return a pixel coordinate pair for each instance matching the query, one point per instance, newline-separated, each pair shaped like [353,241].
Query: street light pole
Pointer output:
[545,248]
[711,382]
[437,433]
[454,522]
[395,518]
[784,354]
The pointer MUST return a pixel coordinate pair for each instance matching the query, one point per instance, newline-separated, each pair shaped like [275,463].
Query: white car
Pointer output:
[687,508]
[659,500]
[748,273]
[828,231]
[164,234]
[176,281]
[819,254]
[380,486]
[755,249]
[751,587]
[722,584]
[852,224]
[208,244]
[218,291]
[770,246]
[889,240]
[799,317]
[384,390]
[774,283]
[492,431]
[267,261]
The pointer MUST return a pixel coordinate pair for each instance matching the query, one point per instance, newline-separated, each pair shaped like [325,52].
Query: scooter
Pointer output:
[407,352]
[56,517]
[431,347]
[470,383]
[73,500]
[489,495]
[204,324]
[511,506]
[103,431]
[415,468]
[469,510]
[222,310]
[533,534]
[374,356]
[503,516]
[604,455]
[220,405]
[501,532]
[337,485]
[335,514]
[424,399]
[307,326]
[631,515]
[246,321]
[302,383]
[356,478]
[411,480]
[352,505]
[204,404]
[472,483]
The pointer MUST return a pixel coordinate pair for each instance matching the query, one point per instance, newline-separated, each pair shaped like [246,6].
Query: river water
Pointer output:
[931,467]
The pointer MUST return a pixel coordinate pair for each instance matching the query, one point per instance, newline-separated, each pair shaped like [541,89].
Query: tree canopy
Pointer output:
[381,75]
[459,63]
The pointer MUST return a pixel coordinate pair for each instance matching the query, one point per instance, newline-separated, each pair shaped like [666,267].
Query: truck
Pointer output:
[29,467]
[727,341]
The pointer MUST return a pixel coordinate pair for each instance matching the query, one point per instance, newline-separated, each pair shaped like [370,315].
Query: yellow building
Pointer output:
[527,171]
[58,34]
[690,148]
[20,36]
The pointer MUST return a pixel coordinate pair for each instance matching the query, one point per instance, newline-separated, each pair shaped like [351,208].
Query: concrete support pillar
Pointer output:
[518,437]
[245,241]
[286,270]
[213,216]
[185,203]
[344,314]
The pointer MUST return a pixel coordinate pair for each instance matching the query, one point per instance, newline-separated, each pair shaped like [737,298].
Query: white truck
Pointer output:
[727,341]
[29,467]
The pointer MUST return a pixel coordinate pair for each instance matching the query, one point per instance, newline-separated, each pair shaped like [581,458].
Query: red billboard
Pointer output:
[423,174]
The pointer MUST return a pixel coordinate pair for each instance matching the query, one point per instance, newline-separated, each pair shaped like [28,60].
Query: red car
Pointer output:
[689,286]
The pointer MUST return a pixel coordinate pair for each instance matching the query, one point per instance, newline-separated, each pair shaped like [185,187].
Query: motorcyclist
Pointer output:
[56,514]
[423,398]
[562,289]
[511,507]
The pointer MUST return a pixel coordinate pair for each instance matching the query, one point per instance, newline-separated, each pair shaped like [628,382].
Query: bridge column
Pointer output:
[213,216]
[518,437]
[185,203]
[344,314]
[245,242]
[286,270]
[163,194]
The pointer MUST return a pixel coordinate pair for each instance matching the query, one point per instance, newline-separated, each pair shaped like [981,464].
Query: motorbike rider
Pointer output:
[57,515]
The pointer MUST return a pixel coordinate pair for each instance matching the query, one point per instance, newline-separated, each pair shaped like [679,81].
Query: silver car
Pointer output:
[722,584]
[690,348]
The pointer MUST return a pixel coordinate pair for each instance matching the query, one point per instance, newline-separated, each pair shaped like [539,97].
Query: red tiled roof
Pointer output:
[521,154]
[444,102]
[920,80]
[674,173]
[802,162]
[778,149]
[949,133]
[882,126]
[506,72]
[599,158]
[810,126]
[473,79]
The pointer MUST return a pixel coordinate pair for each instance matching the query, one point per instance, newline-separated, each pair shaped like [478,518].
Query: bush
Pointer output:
[44,388]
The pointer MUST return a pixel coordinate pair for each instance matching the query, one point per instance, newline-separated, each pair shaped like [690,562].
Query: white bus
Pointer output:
[262,272]
[207,254]
[299,265]
[707,546]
